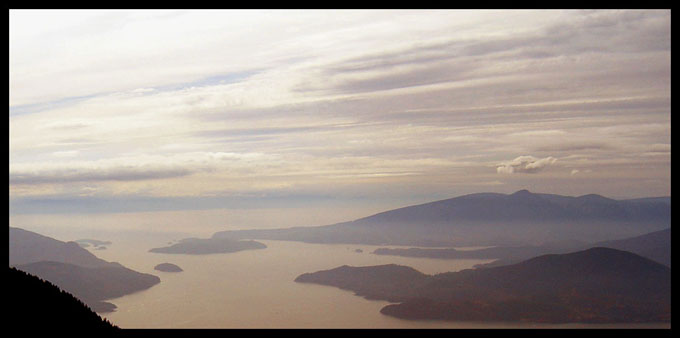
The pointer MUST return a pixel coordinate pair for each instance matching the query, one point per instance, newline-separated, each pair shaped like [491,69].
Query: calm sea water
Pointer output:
[256,289]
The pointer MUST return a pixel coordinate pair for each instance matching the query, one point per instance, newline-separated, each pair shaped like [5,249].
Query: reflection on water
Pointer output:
[255,289]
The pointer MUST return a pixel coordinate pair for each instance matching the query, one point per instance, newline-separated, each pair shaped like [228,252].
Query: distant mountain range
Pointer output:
[74,269]
[518,219]
[655,246]
[35,305]
[598,285]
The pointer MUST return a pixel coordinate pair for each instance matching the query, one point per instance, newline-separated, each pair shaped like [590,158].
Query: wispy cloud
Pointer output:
[190,103]
[525,164]
[94,175]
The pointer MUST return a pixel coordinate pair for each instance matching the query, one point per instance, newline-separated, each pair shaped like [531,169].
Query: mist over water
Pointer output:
[256,288]
[207,121]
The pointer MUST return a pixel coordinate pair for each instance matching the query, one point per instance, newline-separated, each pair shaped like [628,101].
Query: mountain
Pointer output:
[74,269]
[29,247]
[511,254]
[204,246]
[34,303]
[655,245]
[92,285]
[518,219]
[597,285]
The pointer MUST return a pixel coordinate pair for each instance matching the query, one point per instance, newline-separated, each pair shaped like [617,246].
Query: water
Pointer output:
[256,289]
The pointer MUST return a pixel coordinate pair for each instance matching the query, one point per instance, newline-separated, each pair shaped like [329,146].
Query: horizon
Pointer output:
[66,232]
[195,120]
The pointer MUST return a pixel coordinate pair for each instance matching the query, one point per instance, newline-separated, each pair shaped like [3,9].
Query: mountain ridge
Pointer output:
[596,285]
[654,245]
[75,269]
[486,219]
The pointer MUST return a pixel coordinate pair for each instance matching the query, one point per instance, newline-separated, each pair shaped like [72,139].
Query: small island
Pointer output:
[200,246]
[96,243]
[168,267]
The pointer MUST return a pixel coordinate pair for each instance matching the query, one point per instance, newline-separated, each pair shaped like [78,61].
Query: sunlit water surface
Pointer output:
[256,289]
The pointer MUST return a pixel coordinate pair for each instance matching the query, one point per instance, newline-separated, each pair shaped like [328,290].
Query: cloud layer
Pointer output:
[197,104]
[525,164]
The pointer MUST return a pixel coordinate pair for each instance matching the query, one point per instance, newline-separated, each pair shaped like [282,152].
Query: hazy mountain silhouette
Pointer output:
[92,285]
[518,219]
[36,304]
[29,247]
[655,246]
[594,285]
[504,255]
[201,246]
[74,269]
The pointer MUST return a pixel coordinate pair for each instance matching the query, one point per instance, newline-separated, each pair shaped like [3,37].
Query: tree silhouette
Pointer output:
[36,304]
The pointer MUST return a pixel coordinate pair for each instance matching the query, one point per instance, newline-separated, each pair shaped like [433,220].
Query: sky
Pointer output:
[201,120]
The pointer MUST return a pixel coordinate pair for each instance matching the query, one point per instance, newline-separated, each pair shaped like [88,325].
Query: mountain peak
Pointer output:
[522,192]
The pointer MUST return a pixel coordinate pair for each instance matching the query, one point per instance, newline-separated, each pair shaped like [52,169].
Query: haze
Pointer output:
[341,168]
[198,121]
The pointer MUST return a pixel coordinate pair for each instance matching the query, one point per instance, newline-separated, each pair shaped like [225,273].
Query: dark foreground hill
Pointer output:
[522,218]
[598,285]
[75,269]
[92,285]
[35,304]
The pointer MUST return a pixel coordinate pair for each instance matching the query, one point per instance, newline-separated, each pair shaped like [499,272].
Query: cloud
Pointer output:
[525,164]
[580,172]
[571,146]
[94,174]
[460,57]
[191,103]
[68,153]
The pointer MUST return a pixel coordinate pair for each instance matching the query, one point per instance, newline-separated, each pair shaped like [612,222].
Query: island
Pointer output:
[597,285]
[168,267]
[96,243]
[501,255]
[204,246]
